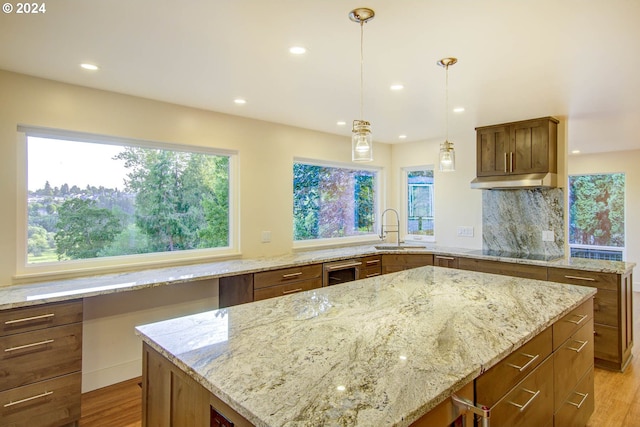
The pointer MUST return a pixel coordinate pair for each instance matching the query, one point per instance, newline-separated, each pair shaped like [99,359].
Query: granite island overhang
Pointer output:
[382,351]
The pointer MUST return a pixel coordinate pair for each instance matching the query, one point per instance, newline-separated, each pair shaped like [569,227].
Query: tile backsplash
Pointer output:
[514,220]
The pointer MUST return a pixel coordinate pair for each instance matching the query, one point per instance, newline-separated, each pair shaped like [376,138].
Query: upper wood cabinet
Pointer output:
[523,147]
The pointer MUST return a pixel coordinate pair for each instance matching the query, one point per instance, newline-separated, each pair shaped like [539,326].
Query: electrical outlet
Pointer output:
[548,236]
[266,236]
[465,231]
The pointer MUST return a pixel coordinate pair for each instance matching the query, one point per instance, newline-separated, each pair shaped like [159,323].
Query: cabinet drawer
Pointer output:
[530,403]
[286,275]
[52,402]
[605,308]
[40,316]
[445,261]
[584,278]
[505,268]
[38,355]
[570,323]
[501,378]
[579,405]
[606,343]
[289,288]
[371,266]
[571,362]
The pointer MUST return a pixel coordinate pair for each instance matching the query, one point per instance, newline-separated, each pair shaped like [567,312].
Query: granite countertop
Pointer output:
[23,295]
[381,351]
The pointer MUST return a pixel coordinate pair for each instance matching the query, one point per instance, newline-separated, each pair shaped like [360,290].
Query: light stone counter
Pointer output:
[14,296]
[376,352]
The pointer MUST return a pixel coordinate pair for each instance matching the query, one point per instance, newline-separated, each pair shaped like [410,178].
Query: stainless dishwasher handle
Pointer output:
[28,319]
[341,266]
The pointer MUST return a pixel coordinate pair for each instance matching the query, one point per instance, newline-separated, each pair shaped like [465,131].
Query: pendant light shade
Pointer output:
[447,153]
[361,142]
[361,139]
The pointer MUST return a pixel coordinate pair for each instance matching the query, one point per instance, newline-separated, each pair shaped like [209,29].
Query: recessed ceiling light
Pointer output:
[402,136]
[341,123]
[458,110]
[240,101]
[396,87]
[341,388]
[575,151]
[297,50]
[90,67]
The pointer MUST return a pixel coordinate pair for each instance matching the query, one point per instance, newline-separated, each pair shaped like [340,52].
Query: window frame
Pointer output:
[69,268]
[570,246]
[340,241]
[404,211]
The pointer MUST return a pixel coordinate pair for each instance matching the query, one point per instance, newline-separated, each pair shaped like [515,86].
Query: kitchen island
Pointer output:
[383,351]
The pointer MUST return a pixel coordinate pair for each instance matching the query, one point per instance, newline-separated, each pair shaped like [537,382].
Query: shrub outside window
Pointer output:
[92,199]
[596,216]
[332,202]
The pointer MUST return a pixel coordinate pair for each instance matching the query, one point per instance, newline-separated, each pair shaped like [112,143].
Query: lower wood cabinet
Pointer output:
[613,313]
[170,398]
[40,365]
[398,262]
[286,281]
[505,268]
[547,381]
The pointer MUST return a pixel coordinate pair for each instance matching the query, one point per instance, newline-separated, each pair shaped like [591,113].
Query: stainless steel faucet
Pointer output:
[383,232]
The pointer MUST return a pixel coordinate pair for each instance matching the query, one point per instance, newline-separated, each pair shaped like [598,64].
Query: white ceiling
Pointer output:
[518,59]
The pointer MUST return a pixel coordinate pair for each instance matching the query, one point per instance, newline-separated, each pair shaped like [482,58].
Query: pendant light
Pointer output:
[447,154]
[361,139]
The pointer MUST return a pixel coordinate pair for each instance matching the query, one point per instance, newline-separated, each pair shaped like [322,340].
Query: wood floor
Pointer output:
[617,399]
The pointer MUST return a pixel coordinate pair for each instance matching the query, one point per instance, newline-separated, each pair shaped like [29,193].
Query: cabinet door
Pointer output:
[530,149]
[492,150]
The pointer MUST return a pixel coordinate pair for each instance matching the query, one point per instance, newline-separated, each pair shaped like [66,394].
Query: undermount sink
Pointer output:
[392,247]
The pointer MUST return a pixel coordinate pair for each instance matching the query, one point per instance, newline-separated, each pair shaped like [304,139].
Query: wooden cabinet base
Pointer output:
[172,398]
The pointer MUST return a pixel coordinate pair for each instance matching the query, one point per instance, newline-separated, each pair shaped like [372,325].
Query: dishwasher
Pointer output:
[334,273]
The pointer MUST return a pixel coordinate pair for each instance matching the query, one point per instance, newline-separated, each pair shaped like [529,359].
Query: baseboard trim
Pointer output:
[111,375]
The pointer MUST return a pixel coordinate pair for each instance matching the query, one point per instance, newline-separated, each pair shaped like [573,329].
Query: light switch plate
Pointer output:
[465,231]
[266,236]
[547,236]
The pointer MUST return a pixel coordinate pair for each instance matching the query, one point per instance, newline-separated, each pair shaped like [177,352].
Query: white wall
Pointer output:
[266,151]
[456,204]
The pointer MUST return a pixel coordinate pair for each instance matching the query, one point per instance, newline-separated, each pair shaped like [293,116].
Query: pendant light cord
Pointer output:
[361,71]
[446,105]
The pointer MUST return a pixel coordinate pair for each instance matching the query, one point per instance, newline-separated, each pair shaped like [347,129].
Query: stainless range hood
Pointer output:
[510,182]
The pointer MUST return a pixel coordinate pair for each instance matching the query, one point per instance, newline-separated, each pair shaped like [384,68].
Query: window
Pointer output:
[333,202]
[96,197]
[418,183]
[596,216]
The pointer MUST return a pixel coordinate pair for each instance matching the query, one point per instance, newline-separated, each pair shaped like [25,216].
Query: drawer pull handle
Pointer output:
[526,365]
[579,349]
[584,397]
[374,261]
[588,279]
[373,275]
[341,266]
[450,258]
[22,347]
[28,399]
[292,291]
[523,407]
[290,275]
[581,316]
[28,319]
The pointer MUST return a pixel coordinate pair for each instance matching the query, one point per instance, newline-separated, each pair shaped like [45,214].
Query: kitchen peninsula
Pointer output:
[383,351]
